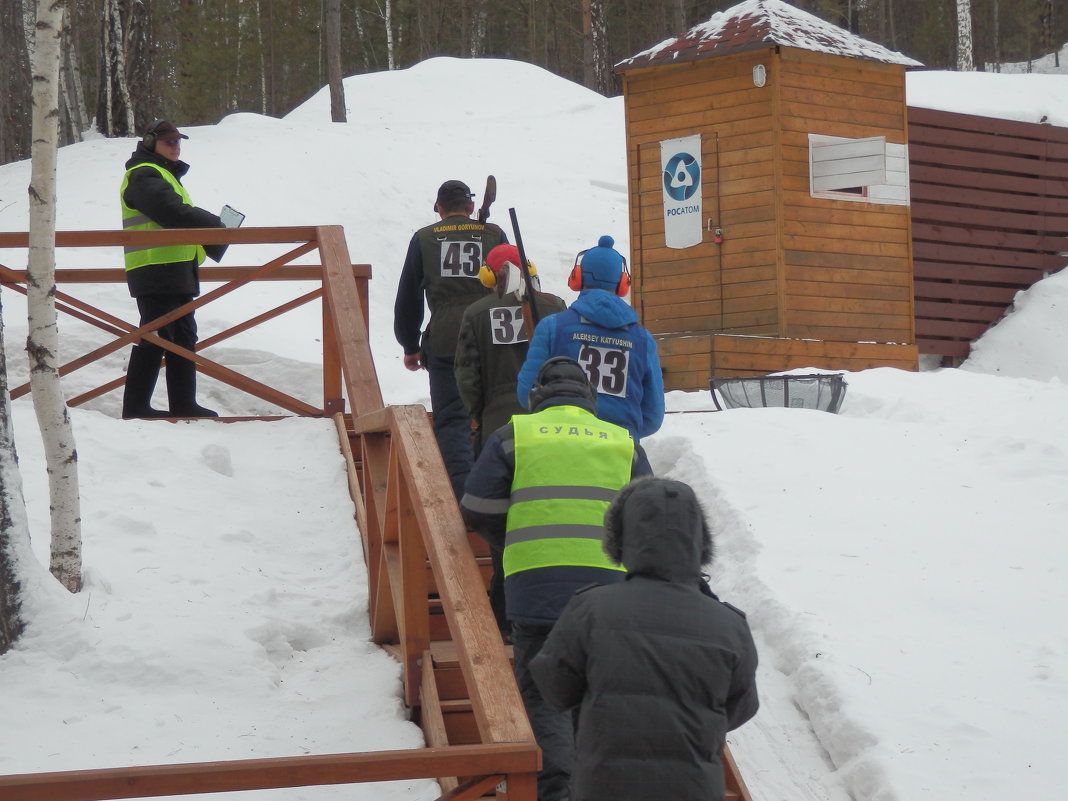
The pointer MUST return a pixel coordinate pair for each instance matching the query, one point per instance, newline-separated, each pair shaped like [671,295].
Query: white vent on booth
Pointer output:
[869,170]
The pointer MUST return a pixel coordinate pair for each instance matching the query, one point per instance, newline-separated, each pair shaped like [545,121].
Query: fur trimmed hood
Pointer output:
[656,527]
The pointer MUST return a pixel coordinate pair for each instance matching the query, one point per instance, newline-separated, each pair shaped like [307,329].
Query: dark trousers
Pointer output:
[452,425]
[553,729]
[146,358]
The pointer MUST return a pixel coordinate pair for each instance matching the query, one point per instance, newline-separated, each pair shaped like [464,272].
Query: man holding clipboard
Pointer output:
[161,279]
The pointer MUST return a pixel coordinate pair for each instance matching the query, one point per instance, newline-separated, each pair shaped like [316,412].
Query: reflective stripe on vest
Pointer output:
[568,467]
[133,220]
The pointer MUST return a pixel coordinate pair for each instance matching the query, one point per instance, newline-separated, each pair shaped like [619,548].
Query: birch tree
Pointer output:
[115,111]
[598,75]
[387,15]
[42,345]
[75,121]
[965,62]
[14,528]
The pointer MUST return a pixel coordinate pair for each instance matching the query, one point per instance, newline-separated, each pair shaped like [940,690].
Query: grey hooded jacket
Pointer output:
[661,668]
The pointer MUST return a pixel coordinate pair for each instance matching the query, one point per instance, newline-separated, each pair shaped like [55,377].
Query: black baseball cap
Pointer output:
[164,128]
[454,192]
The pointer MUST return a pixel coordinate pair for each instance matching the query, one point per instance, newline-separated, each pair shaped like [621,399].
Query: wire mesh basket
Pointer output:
[822,391]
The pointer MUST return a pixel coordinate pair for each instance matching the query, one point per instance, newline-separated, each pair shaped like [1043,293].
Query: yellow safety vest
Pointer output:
[133,220]
[569,465]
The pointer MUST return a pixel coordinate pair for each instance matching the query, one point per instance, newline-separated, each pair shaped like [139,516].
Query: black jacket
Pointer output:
[149,193]
[422,275]
[491,347]
[662,669]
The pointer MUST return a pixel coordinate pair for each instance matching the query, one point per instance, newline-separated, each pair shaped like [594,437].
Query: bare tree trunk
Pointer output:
[965,62]
[14,528]
[14,84]
[997,37]
[115,115]
[361,34]
[72,98]
[1048,45]
[678,16]
[42,345]
[391,57]
[893,27]
[597,75]
[589,77]
[263,60]
[479,21]
[333,61]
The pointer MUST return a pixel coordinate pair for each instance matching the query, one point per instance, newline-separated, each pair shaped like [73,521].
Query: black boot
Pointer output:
[182,388]
[141,378]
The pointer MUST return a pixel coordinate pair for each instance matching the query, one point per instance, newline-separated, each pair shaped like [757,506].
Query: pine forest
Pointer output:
[128,62]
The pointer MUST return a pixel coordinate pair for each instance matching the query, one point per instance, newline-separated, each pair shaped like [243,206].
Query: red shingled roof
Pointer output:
[756,24]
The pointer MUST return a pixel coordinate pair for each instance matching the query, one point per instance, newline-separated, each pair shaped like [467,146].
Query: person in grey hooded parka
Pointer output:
[660,667]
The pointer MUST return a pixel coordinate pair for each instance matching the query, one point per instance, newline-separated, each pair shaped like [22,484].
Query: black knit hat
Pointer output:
[560,376]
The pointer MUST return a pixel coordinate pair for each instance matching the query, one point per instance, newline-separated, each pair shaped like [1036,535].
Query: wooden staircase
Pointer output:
[446,713]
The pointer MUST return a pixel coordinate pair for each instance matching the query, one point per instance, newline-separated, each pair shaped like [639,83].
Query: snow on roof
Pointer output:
[758,23]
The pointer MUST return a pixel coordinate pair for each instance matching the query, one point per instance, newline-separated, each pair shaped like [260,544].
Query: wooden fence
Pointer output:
[989,218]
[425,580]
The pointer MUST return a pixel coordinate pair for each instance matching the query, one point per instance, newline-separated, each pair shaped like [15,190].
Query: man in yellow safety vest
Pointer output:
[161,279]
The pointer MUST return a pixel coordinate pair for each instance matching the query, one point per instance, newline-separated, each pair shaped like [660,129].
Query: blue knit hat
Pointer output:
[602,266]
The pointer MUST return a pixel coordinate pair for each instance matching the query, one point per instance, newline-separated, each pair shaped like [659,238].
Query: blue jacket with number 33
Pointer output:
[601,332]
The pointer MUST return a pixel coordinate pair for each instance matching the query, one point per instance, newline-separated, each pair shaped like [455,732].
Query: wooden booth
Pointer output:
[768,171]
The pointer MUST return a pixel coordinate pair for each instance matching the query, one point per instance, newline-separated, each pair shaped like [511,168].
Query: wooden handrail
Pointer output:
[122,333]
[263,774]
[408,519]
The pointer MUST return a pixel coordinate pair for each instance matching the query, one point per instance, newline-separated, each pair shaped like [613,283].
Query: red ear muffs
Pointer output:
[574,281]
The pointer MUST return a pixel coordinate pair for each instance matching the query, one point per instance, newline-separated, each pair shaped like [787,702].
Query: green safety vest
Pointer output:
[133,220]
[569,465]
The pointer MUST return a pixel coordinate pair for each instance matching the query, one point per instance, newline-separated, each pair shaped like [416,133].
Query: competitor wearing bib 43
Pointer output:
[601,332]
[443,262]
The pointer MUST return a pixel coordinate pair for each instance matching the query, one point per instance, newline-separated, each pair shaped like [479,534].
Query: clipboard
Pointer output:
[231,217]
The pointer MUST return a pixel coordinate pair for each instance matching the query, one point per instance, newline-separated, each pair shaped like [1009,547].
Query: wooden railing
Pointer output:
[425,585]
[282,268]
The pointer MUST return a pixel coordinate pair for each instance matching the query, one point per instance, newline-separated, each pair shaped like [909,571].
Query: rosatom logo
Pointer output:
[682,176]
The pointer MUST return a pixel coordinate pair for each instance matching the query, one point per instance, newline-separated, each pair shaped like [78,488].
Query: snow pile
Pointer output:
[1025,98]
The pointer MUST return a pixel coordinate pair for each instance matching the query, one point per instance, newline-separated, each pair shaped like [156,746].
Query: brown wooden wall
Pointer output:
[690,361]
[709,287]
[847,265]
[989,218]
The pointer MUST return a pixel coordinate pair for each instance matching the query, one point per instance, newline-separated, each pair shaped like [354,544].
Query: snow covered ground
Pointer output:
[902,562]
